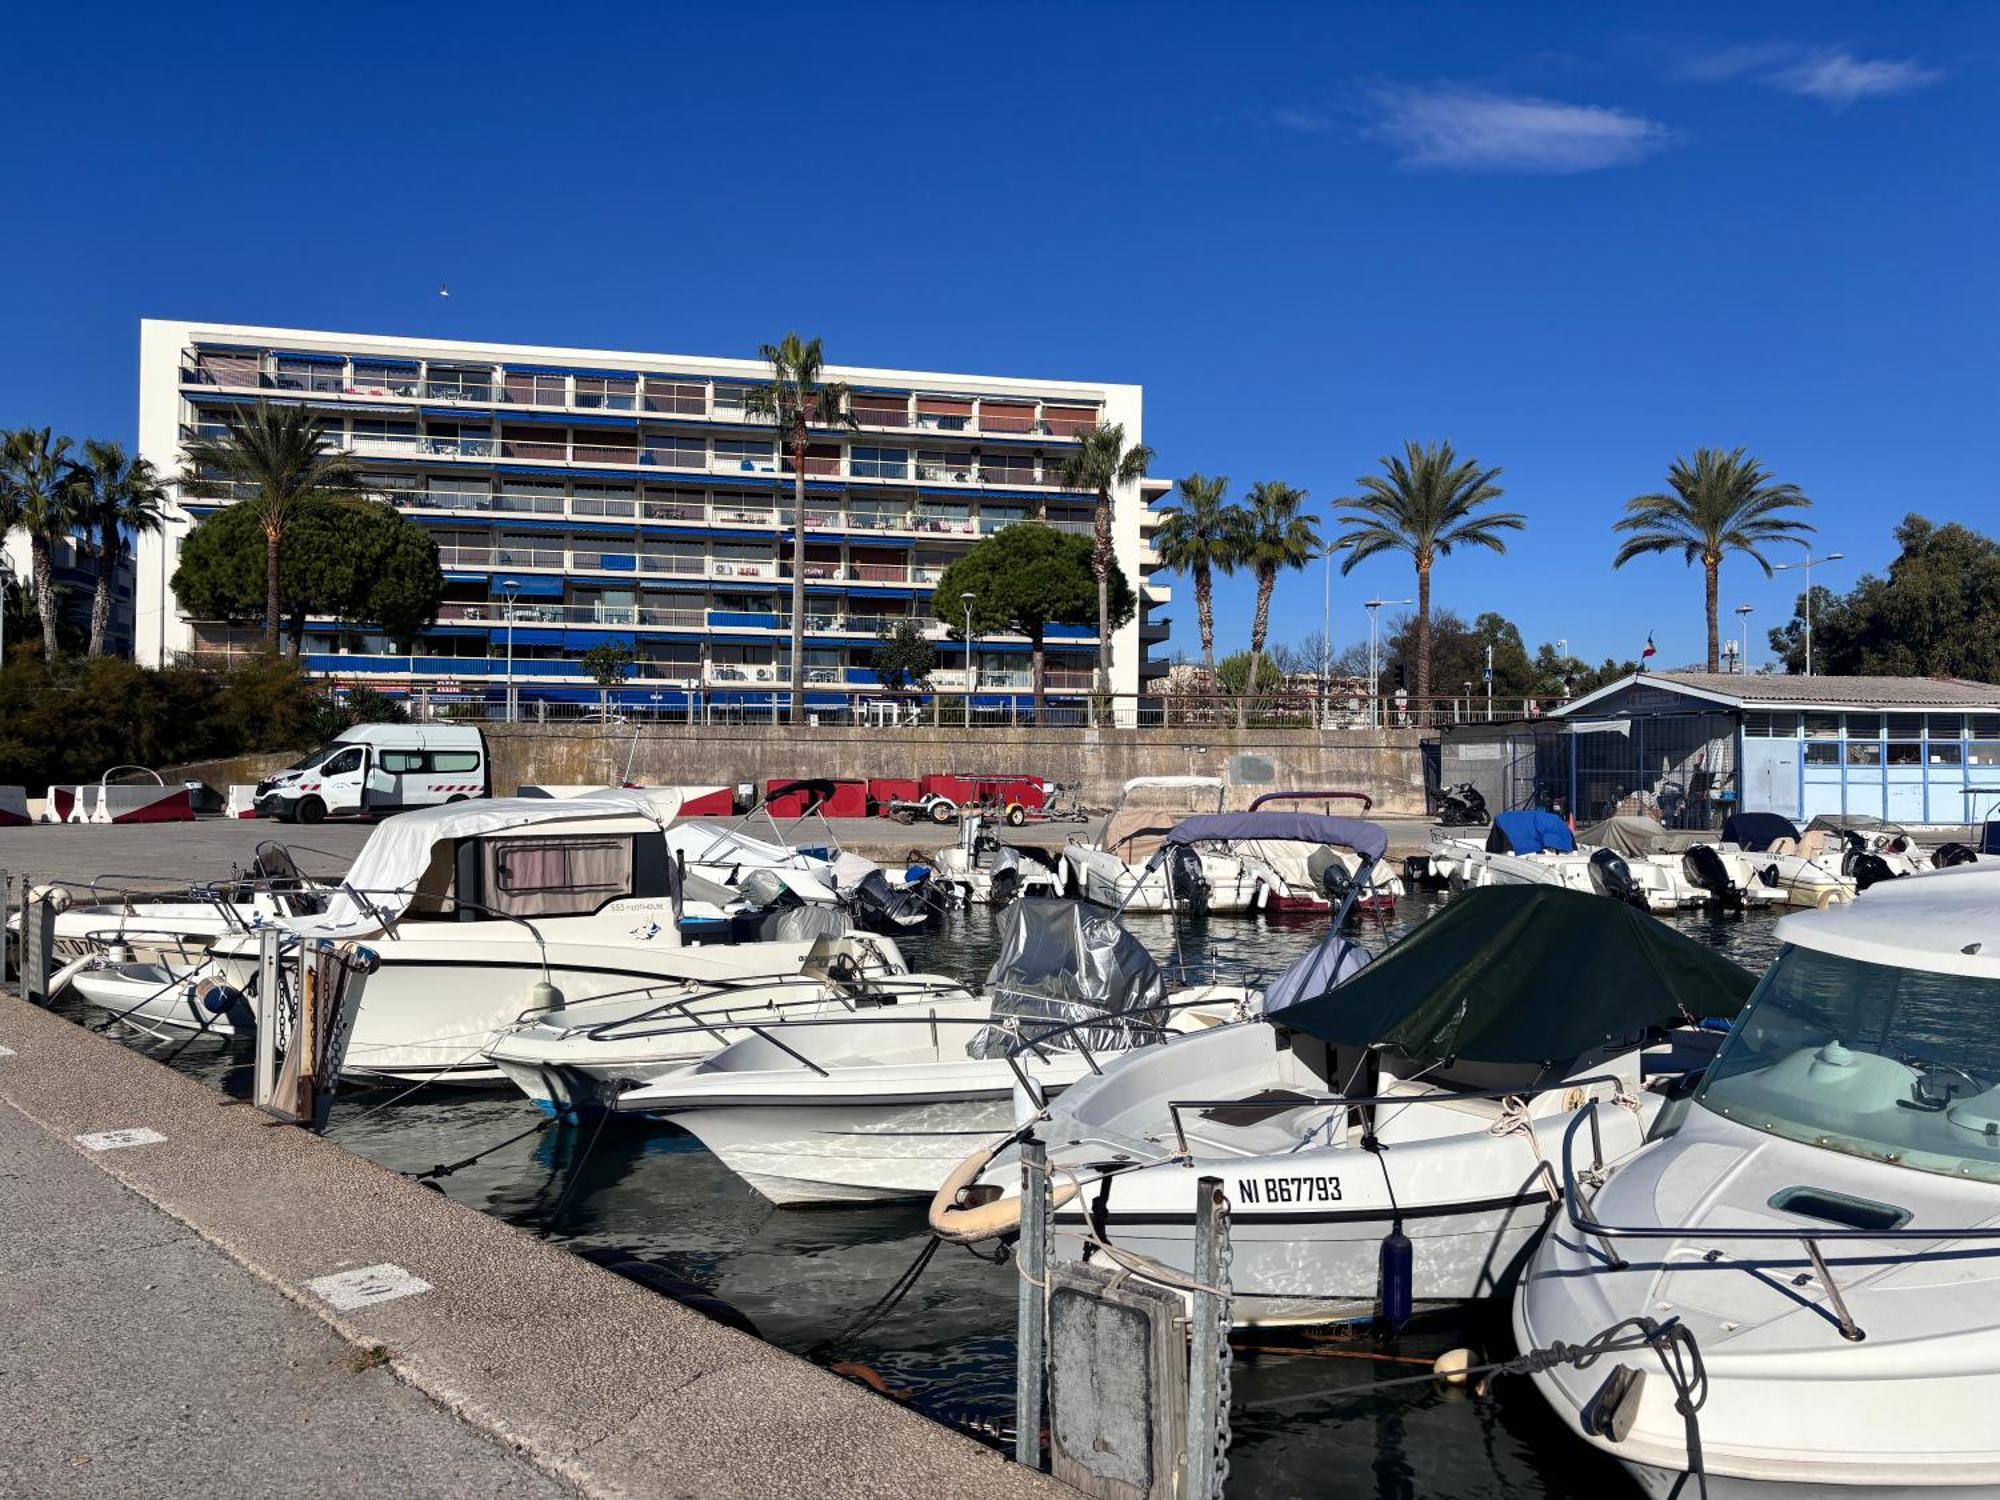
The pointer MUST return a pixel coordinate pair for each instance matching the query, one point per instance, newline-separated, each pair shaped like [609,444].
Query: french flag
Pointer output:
[1651,650]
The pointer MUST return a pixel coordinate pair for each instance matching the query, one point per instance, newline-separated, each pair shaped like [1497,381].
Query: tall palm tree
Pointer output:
[1101,463]
[117,496]
[1202,536]
[37,472]
[1274,535]
[1425,503]
[1720,503]
[282,455]
[796,399]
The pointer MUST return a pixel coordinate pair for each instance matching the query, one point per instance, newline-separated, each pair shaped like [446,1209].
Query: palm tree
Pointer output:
[1425,503]
[116,496]
[1721,503]
[1274,535]
[36,473]
[1202,537]
[1100,463]
[280,453]
[796,399]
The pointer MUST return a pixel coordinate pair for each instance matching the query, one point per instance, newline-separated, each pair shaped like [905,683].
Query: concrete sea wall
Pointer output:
[1383,763]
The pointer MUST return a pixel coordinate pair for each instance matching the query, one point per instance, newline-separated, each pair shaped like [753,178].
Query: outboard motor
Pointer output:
[1704,868]
[1867,869]
[1186,880]
[1611,877]
[1954,854]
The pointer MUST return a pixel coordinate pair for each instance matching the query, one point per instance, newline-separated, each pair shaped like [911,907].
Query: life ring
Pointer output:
[968,1224]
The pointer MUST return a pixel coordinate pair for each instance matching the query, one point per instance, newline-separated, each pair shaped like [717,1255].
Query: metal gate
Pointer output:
[1679,768]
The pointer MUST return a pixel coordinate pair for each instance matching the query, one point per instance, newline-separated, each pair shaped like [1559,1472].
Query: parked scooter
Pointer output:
[1462,806]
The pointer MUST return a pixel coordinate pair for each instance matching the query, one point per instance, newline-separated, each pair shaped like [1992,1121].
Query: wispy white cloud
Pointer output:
[1832,75]
[1301,121]
[1459,129]
[1840,78]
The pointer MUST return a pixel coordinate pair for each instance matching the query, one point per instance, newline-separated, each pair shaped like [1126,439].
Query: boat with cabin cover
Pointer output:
[1821,1222]
[1119,871]
[483,911]
[1419,1096]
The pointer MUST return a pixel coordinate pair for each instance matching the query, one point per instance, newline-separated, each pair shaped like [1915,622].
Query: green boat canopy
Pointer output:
[1525,974]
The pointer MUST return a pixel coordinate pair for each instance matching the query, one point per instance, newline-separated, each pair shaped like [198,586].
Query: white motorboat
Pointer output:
[1822,1224]
[1119,870]
[1683,868]
[174,928]
[484,910]
[1809,868]
[980,870]
[879,1106]
[1419,1095]
[590,1052]
[1300,877]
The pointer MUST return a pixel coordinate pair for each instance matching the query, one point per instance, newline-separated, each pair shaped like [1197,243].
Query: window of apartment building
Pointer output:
[876,515]
[1052,466]
[1006,416]
[657,504]
[604,500]
[395,489]
[536,388]
[211,423]
[605,445]
[875,410]
[380,432]
[459,439]
[528,497]
[745,604]
[934,515]
[677,559]
[459,382]
[878,463]
[735,560]
[729,402]
[1069,421]
[459,492]
[1007,468]
[935,466]
[227,367]
[607,392]
[821,458]
[374,377]
[944,413]
[681,398]
[534,442]
[733,453]
[295,374]
[928,563]
[671,451]
[992,517]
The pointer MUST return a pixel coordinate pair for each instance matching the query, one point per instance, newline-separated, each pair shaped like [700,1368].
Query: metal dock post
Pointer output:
[1031,1339]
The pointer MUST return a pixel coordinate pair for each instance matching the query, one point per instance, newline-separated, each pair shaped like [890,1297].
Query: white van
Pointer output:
[380,768]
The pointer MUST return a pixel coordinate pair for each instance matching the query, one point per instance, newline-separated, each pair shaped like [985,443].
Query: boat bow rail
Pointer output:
[1582,1218]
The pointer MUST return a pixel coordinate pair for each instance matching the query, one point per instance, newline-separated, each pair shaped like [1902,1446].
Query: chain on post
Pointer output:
[1222,1352]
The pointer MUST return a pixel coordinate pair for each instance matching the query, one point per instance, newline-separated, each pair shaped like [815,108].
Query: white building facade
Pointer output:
[587,497]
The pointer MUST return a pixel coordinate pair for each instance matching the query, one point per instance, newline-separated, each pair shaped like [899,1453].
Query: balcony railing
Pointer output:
[497,612]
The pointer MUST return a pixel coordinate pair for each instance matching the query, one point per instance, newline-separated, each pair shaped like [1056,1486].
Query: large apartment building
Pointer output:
[582,497]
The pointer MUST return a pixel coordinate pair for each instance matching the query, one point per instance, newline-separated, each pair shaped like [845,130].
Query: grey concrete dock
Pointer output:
[172,1329]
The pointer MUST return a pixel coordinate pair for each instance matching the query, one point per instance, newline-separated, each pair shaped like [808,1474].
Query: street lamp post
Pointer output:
[1374,608]
[1743,613]
[510,589]
[966,599]
[1808,566]
[1326,628]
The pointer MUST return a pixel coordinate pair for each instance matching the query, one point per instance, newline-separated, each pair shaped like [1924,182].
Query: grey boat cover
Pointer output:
[1334,960]
[1063,962]
[1632,836]
[1364,838]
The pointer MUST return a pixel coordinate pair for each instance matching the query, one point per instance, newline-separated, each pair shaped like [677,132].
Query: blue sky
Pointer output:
[1574,240]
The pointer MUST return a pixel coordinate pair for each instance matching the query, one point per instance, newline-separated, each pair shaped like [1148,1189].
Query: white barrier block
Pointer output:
[242,802]
[143,804]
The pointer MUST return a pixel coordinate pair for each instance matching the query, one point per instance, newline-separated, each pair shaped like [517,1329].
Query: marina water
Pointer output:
[803,1276]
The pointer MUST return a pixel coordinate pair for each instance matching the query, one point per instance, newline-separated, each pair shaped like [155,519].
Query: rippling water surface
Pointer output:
[804,1275]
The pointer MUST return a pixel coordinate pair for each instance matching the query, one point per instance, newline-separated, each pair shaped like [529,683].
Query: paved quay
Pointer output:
[172,1328]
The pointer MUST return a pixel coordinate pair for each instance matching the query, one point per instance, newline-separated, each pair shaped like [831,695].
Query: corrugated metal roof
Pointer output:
[1772,690]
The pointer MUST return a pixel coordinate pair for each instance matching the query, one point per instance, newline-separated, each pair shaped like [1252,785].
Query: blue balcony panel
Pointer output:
[531,587]
[728,619]
[585,639]
[563,419]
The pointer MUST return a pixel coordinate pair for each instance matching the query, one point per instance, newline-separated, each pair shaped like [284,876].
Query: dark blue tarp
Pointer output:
[1533,833]
[1364,839]
[1757,831]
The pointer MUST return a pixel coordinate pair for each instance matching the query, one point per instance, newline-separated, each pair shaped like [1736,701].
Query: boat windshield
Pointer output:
[1901,1065]
[317,756]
